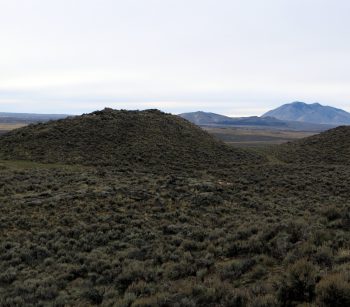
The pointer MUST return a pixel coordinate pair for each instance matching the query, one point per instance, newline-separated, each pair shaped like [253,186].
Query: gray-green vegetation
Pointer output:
[204,225]
[330,147]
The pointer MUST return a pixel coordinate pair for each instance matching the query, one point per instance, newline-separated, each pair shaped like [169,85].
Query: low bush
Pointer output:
[298,284]
[333,291]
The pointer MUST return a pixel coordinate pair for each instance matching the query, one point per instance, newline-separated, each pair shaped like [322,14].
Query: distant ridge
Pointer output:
[311,113]
[27,118]
[204,118]
[267,122]
[121,138]
[207,118]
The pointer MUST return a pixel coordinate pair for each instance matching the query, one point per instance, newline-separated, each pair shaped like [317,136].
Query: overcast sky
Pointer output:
[234,57]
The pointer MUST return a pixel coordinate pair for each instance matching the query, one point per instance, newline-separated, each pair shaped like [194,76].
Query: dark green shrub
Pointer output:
[332,213]
[94,296]
[324,256]
[8,276]
[264,301]
[345,222]
[237,269]
[299,284]
[333,291]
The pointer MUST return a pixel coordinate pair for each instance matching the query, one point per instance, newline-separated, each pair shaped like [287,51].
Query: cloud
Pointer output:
[224,56]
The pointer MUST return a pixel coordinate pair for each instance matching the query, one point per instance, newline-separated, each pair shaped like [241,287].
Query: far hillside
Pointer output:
[123,139]
[329,147]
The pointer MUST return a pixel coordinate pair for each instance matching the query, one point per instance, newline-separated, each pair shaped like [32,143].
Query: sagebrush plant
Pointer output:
[334,290]
[299,283]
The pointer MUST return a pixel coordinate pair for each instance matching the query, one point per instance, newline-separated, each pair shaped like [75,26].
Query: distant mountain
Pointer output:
[27,118]
[205,118]
[268,122]
[311,113]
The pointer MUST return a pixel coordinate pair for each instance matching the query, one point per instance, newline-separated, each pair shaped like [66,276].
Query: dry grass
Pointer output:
[248,137]
[8,127]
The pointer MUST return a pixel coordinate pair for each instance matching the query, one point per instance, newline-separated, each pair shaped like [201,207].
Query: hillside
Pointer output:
[329,147]
[121,138]
[265,235]
[311,113]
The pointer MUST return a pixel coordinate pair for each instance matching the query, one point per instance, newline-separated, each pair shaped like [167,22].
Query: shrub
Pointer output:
[333,291]
[324,256]
[236,269]
[94,296]
[265,301]
[346,220]
[299,284]
[139,288]
[8,276]
[332,213]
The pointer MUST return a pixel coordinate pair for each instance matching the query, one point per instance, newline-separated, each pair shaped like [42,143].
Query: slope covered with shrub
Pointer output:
[259,236]
[329,147]
[121,138]
[241,234]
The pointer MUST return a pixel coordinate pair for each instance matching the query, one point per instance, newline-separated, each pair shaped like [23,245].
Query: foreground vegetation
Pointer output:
[276,235]
[254,232]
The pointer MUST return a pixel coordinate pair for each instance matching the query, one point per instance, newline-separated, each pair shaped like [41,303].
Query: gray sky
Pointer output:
[234,57]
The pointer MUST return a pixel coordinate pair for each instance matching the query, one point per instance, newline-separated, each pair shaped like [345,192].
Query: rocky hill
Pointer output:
[311,113]
[121,138]
[329,147]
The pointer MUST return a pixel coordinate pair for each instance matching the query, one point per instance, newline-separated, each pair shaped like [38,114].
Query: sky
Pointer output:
[233,57]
